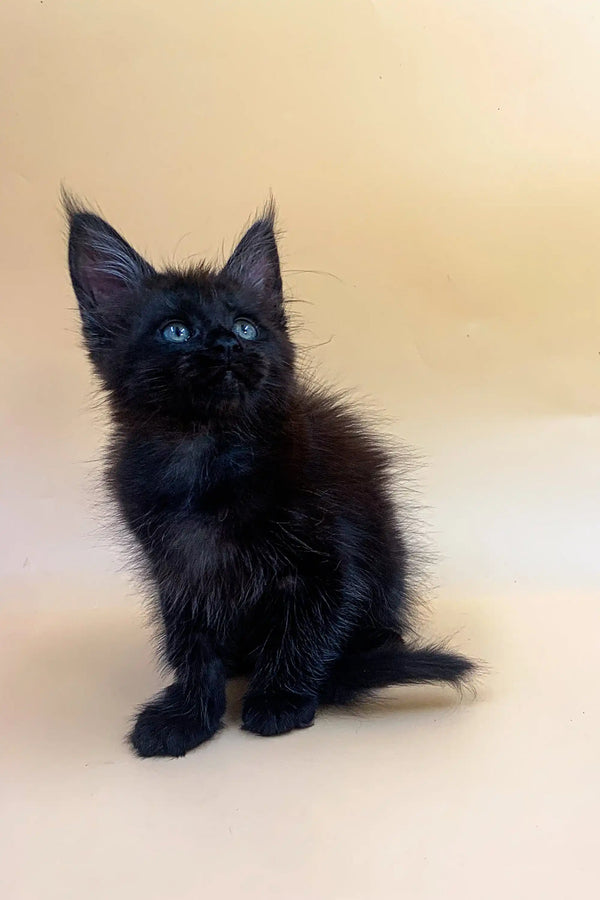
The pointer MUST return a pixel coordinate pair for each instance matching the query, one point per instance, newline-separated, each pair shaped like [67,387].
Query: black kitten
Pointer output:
[263,507]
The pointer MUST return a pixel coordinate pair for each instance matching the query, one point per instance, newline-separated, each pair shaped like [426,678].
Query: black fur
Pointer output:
[263,506]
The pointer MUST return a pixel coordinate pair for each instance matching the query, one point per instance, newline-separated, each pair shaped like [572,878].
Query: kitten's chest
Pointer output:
[208,533]
[191,493]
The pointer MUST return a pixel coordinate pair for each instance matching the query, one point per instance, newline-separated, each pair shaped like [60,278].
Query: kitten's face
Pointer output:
[191,348]
[199,348]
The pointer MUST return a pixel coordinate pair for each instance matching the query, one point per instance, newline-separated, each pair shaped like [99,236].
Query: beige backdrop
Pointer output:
[437,168]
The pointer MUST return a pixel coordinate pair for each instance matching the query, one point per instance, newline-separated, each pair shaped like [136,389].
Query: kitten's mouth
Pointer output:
[225,375]
[232,376]
[223,386]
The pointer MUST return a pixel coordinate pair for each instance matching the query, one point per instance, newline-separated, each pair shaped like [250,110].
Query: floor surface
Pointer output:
[417,795]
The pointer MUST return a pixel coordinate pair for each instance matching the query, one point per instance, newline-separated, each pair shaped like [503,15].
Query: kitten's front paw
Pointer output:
[169,726]
[277,713]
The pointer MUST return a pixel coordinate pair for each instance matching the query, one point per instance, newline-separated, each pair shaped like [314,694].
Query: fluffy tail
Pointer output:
[356,675]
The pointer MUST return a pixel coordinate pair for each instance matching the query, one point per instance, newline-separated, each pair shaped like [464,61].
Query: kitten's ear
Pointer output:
[255,261]
[106,272]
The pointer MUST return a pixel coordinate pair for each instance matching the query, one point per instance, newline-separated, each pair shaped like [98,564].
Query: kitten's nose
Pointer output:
[226,344]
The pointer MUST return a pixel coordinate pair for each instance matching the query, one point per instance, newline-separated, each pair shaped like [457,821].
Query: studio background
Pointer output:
[437,171]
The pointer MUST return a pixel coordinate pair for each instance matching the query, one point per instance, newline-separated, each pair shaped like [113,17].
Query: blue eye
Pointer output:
[245,329]
[176,332]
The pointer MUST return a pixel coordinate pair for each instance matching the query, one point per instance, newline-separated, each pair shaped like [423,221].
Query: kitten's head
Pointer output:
[200,347]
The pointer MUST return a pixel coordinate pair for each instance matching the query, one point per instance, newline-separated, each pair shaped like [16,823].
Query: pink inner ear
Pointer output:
[255,271]
[106,289]
[109,278]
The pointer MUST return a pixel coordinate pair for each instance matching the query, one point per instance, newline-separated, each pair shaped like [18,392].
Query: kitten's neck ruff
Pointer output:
[259,432]
[264,424]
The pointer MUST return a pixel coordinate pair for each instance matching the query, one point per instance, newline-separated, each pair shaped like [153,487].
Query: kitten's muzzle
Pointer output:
[226,346]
